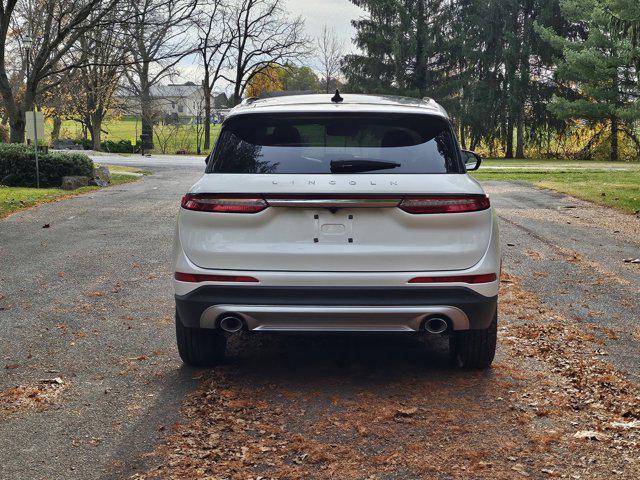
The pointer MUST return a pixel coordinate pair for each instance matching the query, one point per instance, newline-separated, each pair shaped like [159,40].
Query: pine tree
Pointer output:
[598,64]
[482,59]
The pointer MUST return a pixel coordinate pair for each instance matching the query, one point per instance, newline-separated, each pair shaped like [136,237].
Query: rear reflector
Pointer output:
[197,277]
[204,202]
[445,204]
[484,278]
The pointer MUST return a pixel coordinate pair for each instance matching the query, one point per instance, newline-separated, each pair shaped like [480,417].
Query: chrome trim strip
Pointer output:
[334,202]
[303,318]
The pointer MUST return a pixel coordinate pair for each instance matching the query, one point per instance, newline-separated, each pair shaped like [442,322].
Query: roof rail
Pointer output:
[249,100]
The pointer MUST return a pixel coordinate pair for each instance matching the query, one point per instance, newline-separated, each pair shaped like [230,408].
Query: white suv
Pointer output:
[332,214]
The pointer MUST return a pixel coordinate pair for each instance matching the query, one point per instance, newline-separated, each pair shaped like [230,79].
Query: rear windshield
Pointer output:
[330,143]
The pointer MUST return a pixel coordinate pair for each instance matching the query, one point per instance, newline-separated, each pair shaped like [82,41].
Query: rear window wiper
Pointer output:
[348,166]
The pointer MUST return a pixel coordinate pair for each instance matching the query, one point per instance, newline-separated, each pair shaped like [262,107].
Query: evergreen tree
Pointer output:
[598,63]
[483,59]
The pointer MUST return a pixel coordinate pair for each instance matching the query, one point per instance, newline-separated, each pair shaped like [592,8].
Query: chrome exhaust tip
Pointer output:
[436,325]
[230,324]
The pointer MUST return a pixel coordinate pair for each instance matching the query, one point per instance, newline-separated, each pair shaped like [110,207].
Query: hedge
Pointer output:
[18,166]
[121,146]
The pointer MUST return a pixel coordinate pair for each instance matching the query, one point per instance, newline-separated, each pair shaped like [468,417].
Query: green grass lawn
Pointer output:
[542,164]
[611,184]
[13,199]
[129,129]
[114,169]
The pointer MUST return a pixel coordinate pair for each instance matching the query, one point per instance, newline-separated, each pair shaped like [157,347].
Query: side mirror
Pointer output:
[471,160]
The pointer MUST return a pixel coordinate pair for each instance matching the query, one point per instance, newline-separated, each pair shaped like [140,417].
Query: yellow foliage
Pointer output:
[268,79]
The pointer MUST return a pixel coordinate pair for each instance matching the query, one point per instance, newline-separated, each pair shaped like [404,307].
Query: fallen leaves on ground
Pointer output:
[35,396]
[550,407]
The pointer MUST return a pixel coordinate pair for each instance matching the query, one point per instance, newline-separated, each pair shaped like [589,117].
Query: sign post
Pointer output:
[35,129]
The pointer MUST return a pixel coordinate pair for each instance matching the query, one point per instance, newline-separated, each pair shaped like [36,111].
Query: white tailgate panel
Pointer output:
[351,239]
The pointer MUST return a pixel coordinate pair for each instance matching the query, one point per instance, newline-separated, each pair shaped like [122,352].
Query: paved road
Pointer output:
[152,161]
[88,300]
[571,254]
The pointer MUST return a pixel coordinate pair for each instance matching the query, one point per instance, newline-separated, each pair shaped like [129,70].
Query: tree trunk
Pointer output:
[96,131]
[146,110]
[237,96]
[17,127]
[207,113]
[14,114]
[524,80]
[463,138]
[17,122]
[509,139]
[55,132]
[615,155]
[420,67]
[520,135]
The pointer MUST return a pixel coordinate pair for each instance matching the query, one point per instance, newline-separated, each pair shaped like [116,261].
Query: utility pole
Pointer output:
[27,44]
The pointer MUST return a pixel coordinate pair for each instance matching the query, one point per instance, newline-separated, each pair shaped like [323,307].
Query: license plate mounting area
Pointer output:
[333,227]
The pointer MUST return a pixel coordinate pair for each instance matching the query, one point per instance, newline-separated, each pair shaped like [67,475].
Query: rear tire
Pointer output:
[199,347]
[475,349]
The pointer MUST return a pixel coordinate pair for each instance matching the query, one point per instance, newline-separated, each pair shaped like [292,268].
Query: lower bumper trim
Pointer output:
[335,308]
[300,318]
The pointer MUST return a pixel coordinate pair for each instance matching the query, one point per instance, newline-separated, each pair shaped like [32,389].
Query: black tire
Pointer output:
[200,347]
[475,349]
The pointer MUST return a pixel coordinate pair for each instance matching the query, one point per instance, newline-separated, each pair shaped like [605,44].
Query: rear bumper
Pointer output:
[340,309]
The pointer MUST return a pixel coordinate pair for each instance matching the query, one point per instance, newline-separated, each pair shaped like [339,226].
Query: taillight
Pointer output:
[444,203]
[204,202]
[482,278]
[198,277]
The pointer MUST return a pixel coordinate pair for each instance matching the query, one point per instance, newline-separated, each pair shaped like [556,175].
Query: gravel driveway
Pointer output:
[91,386]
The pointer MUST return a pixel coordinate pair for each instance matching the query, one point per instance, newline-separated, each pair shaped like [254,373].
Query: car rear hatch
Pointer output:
[280,202]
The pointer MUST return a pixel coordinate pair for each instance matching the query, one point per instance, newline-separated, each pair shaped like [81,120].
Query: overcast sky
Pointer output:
[336,14]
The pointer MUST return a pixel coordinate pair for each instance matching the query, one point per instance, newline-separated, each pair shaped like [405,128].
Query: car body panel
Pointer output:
[490,263]
[352,103]
[350,239]
[342,250]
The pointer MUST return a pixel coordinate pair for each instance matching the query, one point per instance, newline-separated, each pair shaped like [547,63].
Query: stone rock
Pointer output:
[73,182]
[101,176]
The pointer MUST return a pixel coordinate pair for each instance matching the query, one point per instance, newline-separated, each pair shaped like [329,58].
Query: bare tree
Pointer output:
[106,56]
[264,34]
[59,99]
[330,50]
[55,27]
[199,109]
[158,42]
[216,36]
[165,132]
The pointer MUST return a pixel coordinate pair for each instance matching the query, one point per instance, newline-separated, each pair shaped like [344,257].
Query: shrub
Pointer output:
[121,146]
[18,166]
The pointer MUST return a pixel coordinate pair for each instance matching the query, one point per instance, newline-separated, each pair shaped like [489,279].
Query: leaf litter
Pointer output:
[37,396]
[551,407]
